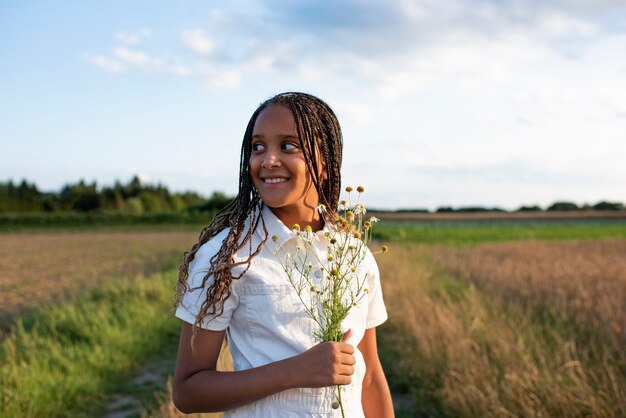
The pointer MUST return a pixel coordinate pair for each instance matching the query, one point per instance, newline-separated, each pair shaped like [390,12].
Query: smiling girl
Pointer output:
[232,283]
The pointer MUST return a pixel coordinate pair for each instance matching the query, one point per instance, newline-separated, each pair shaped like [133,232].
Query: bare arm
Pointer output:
[199,387]
[375,397]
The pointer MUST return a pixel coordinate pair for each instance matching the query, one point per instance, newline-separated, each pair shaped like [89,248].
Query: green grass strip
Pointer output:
[469,234]
[61,361]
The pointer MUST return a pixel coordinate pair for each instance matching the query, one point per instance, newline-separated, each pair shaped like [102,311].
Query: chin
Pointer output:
[273,203]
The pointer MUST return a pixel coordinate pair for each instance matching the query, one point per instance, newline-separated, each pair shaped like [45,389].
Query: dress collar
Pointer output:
[276,227]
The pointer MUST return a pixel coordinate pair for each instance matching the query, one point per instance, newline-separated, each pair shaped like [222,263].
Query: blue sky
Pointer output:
[493,103]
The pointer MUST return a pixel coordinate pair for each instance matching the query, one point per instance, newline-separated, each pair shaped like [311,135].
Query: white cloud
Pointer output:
[143,61]
[107,64]
[132,57]
[132,39]
[565,26]
[180,70]
[198,41]
[223,80]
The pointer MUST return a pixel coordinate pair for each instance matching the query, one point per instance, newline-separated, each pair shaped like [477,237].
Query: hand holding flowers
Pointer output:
[324,272]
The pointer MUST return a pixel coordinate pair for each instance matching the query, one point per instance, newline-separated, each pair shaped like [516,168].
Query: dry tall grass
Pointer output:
[37,267]
[585,281]
[463,352]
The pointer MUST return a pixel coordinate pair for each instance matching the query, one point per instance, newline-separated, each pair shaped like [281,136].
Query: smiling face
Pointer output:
[278,168]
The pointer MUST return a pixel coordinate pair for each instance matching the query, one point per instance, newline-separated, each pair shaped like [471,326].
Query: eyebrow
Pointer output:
[282,136]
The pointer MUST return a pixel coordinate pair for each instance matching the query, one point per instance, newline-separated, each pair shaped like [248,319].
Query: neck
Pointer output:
[303,217]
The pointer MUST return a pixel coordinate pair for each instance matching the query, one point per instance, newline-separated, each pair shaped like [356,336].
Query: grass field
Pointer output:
[476,232]
[516,328]
[580,281]
[36,268]
[460,345]
[65,360]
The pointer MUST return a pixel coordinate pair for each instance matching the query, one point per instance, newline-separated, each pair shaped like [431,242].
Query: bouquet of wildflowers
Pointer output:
[328,299]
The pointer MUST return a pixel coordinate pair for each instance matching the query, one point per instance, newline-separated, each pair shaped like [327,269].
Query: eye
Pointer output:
[257,146]
[290,146]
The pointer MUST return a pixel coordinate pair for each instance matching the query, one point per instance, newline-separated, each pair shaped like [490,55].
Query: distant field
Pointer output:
[61,221]
[98,220]
[580,215]
[470,232]
[38,267]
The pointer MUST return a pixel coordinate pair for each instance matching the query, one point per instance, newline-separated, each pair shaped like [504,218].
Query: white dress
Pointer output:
[265,322]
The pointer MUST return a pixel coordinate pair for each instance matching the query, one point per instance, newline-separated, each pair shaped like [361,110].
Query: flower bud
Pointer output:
[385,249]
[348,189]
[360,189]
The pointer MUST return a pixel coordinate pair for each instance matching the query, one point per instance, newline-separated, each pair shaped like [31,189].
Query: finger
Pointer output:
[347,335]
[348,359]
[346,348]
[343,380]
[346,371]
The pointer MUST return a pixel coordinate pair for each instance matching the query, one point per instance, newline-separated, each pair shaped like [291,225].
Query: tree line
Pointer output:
[136,197]
[133,197]
[557,206]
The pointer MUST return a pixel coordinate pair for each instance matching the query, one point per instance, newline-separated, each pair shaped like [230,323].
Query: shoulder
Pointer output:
[202,258]
[370,264]
[212,246]
[369,256]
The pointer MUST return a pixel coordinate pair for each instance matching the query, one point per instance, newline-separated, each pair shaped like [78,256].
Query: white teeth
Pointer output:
[272,181]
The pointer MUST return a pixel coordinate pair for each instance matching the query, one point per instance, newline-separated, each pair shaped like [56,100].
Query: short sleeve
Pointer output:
[193,299]
[376,310]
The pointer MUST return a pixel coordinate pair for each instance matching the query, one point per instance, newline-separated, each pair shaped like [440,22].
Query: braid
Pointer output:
[321,141]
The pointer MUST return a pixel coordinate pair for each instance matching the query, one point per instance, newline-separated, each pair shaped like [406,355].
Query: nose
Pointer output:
[270,160]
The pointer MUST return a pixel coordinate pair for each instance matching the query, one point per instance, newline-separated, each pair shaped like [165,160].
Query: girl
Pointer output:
[231,281]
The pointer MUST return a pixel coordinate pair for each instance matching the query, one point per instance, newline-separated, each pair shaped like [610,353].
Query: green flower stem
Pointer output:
[343,414]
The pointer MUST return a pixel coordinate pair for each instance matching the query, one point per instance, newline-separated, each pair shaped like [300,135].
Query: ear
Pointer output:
[323,173]
[321,164]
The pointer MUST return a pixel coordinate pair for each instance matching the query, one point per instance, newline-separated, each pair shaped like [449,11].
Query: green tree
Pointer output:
[563,206]
[608,206]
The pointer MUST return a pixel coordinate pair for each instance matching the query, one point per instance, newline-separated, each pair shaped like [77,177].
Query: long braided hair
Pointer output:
[320,139]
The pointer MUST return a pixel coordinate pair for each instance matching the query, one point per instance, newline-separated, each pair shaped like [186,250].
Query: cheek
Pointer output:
[253,165]
[253,170]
